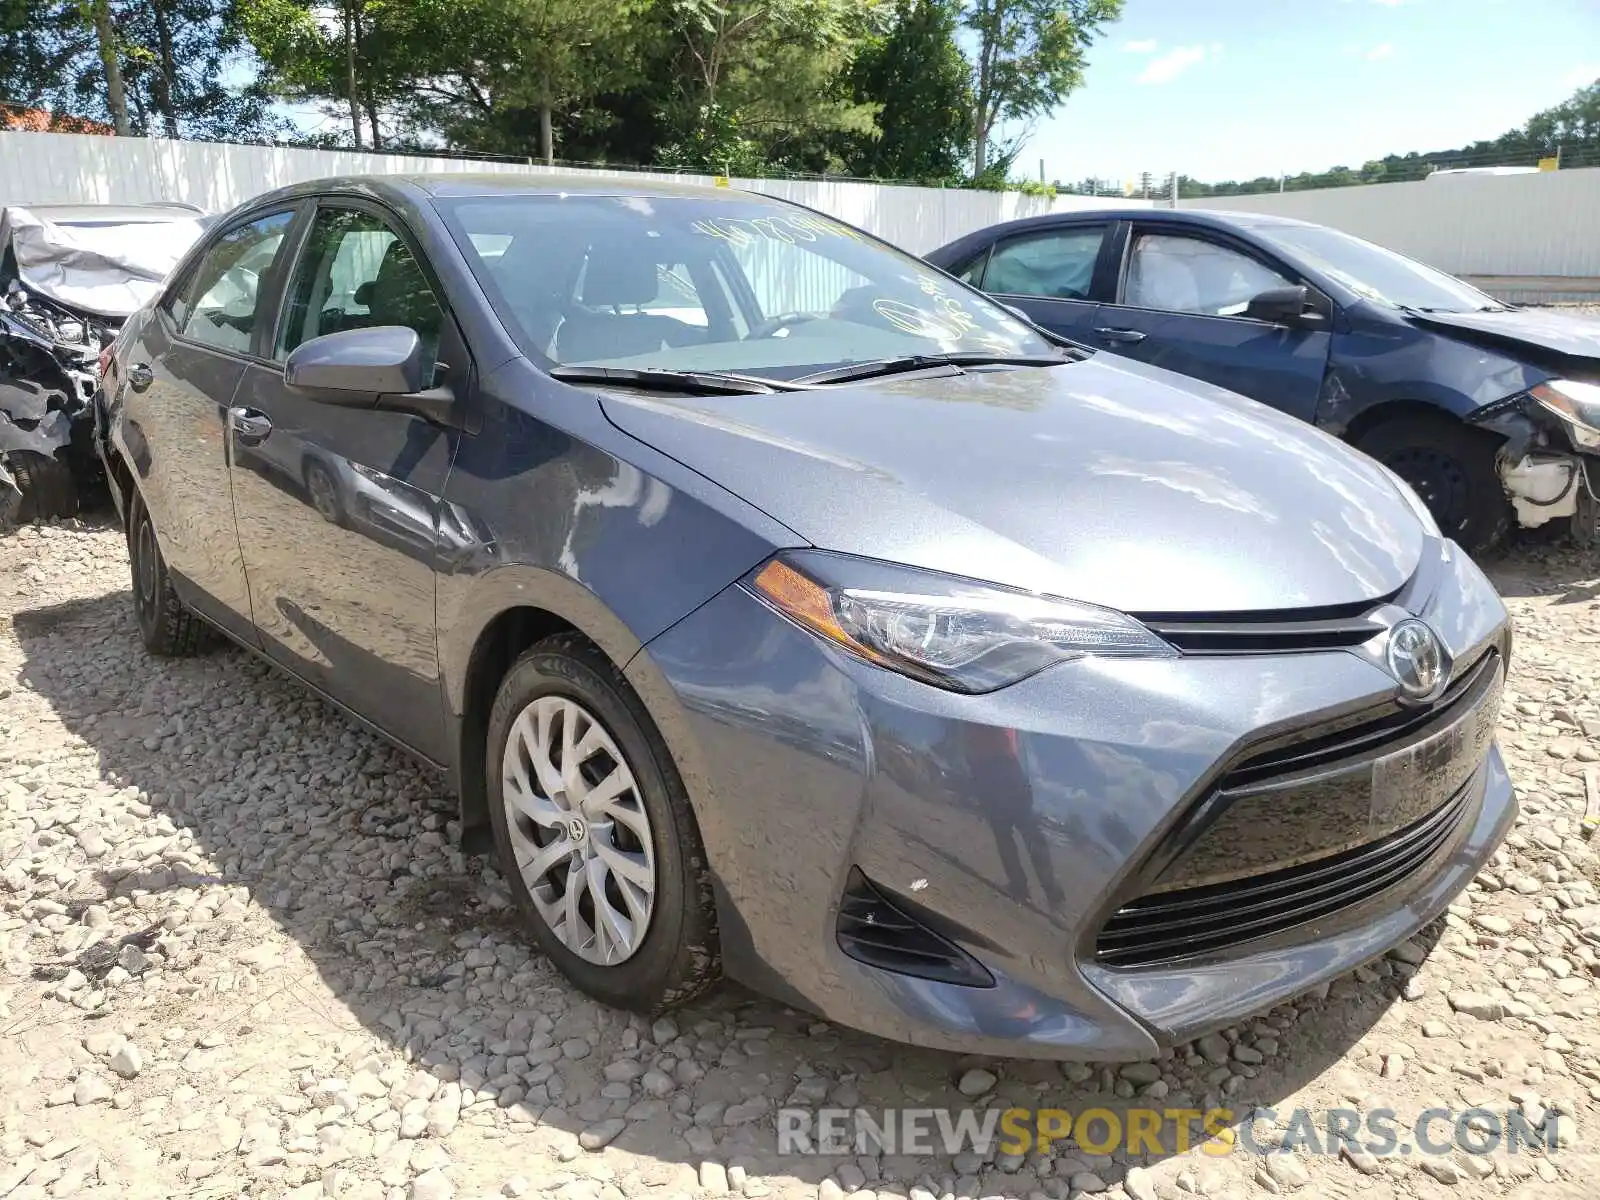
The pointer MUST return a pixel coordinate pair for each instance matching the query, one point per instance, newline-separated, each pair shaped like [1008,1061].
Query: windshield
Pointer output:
[1376,273]
[691,284]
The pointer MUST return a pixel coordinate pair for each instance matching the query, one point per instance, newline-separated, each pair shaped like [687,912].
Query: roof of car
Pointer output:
[453,185]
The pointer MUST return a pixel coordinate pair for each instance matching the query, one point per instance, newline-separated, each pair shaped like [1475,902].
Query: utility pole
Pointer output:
[1172,190]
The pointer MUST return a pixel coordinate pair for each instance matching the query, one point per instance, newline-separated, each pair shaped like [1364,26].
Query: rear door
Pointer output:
[1048,273]
[182,372]
[339,507]
[1181,299]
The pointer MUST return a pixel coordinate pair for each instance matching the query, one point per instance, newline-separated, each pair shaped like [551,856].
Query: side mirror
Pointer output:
[367,363]
[1284,306]
[381,368]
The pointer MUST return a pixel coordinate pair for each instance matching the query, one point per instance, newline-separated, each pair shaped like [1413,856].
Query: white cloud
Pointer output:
[1171,64]
[1381,51]
[1145,46]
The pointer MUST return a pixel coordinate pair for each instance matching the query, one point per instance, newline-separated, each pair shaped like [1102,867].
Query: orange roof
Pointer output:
[38,120]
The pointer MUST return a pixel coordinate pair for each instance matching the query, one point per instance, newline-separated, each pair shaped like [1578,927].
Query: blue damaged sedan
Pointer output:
[782,609]
[1489,411]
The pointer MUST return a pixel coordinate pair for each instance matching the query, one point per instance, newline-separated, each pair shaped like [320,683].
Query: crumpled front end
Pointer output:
[49,371]
[1549,462]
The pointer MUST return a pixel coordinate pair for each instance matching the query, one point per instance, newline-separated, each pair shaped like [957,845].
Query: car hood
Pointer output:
[1558,332]
[1105,481]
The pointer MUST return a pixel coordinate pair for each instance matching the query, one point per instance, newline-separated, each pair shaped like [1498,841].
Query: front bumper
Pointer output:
[807,766]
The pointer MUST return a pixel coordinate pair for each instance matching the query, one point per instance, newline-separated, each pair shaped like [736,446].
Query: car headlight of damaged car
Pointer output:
[953,633]
[1577,404]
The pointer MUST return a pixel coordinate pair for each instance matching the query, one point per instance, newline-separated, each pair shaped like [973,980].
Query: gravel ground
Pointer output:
[242,956]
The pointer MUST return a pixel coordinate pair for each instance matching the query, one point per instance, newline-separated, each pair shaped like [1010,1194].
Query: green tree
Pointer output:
[765,82]
[1029,57]
[921,84]
[149,67]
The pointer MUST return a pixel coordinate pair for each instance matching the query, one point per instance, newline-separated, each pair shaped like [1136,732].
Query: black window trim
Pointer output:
[1315,296]
[271,284]
[1108,225]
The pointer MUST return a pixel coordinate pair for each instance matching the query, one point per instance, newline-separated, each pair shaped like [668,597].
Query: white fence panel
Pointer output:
[1542,224]
[68,168]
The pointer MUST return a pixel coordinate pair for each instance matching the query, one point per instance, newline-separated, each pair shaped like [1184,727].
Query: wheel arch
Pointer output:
[504,613]
[1364,422]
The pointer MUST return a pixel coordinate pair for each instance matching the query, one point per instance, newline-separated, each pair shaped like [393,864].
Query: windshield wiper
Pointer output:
[873,368]
[665,379]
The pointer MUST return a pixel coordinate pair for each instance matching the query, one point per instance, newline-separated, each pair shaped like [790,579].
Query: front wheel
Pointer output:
[595,833]
[1452,467]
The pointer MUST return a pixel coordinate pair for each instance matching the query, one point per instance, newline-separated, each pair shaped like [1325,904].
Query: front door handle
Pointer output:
[1128,336]
[250,425]
[140,376]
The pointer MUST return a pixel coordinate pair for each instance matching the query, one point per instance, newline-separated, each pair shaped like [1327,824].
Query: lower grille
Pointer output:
[1178,924]
[874,931]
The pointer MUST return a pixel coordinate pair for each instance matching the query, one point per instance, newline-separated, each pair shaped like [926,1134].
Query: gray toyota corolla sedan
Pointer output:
[783,609]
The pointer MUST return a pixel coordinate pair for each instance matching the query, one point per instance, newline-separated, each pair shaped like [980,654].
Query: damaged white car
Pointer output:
[69,277]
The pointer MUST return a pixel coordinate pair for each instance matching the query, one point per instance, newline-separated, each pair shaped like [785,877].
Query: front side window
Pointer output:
[1175,273]
[1058,264]
[218,305]
[686,283]
[357,273]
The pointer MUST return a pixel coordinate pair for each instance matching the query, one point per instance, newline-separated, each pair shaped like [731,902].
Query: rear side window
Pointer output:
[218,305]
[1058,264]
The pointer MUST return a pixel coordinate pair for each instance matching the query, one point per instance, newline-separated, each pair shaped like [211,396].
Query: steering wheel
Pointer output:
[773,324]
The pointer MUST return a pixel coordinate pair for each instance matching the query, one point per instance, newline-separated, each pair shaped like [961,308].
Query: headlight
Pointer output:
[953,633]
[1578,404]
[1418,506]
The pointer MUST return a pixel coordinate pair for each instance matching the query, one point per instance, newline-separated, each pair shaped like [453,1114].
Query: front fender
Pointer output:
[1381,362]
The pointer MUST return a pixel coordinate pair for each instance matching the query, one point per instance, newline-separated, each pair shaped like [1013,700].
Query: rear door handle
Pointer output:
[140,376]
[1129,336]
[250,425]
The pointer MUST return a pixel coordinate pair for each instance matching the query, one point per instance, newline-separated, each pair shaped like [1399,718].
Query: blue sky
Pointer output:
[1232,89]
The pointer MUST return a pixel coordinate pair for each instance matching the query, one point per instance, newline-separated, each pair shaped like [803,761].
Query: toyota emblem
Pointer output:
[1416,659]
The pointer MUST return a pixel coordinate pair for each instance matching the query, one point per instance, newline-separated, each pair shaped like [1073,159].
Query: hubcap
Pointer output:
[579,832]
[1439,482]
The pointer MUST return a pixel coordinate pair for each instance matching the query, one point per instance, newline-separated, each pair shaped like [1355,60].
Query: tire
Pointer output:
[166,626]
[47,486]
[1452,467]
[668,953]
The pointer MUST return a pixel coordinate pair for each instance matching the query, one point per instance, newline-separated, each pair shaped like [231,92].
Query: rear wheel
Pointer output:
[1452,467]
[166,626]
[595,833]
[47,486]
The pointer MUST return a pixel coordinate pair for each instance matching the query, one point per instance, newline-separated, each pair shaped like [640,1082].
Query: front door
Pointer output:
[1181,306]
[182,372]
[1048,275]
[339,507]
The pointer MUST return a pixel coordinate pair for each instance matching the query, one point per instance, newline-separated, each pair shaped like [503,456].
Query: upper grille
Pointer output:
[1171,925]
[1334,627]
